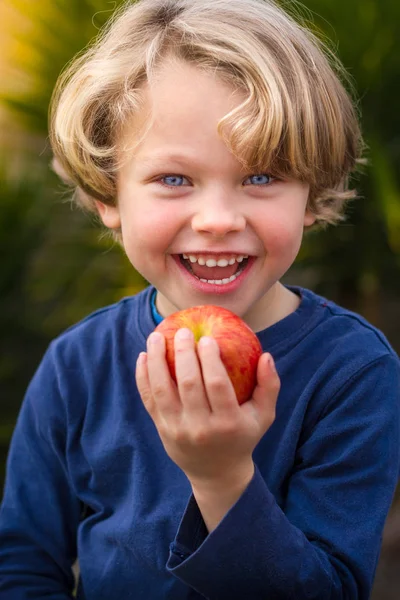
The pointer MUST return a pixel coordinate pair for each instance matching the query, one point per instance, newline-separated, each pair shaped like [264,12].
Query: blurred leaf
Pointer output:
[55,29]
[388,191]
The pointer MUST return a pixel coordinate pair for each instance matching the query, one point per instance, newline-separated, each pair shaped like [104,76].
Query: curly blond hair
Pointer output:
[298,120]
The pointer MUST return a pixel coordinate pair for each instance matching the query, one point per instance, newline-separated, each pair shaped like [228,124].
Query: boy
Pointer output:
[207,135]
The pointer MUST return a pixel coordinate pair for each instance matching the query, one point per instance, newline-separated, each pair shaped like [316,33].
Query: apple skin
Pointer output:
[239,347]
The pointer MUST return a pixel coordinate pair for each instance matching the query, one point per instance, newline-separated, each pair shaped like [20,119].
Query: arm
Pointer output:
[39,513]
[325,542]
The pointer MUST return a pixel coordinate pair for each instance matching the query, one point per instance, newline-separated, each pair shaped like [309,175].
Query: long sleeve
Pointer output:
[324,541]
[39,513]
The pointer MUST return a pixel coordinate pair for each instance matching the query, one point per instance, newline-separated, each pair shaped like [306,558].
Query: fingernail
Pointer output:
[155,338]
[271,364]
[141,359]
[205,341]
[184,334]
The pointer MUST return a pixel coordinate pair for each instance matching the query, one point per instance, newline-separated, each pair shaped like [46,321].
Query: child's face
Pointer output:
[212,208]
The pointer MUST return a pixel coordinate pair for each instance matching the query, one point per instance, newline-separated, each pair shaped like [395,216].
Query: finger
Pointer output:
[188,373]
[143,383]
[162,386]
[266,392]
[220,392]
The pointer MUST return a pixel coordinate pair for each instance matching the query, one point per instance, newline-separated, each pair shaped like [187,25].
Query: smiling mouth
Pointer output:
[213,271]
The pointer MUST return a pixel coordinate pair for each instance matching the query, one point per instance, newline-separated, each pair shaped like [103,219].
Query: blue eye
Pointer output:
[259,179]
[173,180]
[180,180]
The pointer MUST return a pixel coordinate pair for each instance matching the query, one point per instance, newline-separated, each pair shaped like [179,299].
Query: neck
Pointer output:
[274,306]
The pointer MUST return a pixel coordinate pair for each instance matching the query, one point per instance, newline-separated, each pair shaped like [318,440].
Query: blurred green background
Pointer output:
[56,264]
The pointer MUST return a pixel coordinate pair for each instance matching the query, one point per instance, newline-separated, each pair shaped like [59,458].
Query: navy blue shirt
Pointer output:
[88,476]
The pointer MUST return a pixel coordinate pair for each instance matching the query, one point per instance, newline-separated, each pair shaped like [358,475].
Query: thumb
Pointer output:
[266,392]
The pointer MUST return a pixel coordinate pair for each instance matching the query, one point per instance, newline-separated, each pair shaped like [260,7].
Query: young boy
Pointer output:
[207,134]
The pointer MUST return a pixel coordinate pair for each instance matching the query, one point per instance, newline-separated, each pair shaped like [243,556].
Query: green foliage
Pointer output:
[58,269]
[59,266]
[356,260]
[61,29]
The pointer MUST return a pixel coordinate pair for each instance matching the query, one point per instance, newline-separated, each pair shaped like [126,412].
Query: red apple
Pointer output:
[239,347]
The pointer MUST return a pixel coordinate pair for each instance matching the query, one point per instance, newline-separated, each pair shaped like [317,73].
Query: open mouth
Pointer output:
[217,270]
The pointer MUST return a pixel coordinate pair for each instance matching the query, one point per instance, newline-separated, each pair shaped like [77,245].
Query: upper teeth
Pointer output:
[211,262]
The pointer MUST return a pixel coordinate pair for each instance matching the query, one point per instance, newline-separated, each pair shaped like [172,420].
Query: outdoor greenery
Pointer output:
[57,264]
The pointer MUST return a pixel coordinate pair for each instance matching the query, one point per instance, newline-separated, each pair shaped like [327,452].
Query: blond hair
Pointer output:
[297,121]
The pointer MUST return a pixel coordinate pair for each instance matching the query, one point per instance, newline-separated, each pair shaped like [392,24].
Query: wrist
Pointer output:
[217,496]
[233,480]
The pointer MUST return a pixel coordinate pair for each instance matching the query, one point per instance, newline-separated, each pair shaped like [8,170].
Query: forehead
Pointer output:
[181,106]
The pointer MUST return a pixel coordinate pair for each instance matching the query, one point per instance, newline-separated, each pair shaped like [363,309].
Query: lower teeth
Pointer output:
[220,281]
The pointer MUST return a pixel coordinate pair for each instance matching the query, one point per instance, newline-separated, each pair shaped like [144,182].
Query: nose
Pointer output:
[218,215]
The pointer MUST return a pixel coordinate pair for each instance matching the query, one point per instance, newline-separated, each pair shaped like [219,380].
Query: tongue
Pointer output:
[214,273]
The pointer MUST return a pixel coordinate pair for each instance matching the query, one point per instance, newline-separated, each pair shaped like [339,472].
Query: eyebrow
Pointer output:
[179,158]
[159,158]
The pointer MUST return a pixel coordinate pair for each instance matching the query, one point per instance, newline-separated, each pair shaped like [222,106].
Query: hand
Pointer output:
[203,428]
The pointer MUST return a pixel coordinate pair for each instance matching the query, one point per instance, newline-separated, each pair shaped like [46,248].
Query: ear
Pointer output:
[109,215]
[309,218]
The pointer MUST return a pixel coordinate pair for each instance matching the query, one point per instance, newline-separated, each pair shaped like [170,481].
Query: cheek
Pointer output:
[283,236]
[147,230]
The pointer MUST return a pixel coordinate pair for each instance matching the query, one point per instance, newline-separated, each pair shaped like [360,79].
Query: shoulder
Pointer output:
[105,332]
[343,372]
[324,351]
[346,334]
[352,361]
[85,361]
[321,335]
